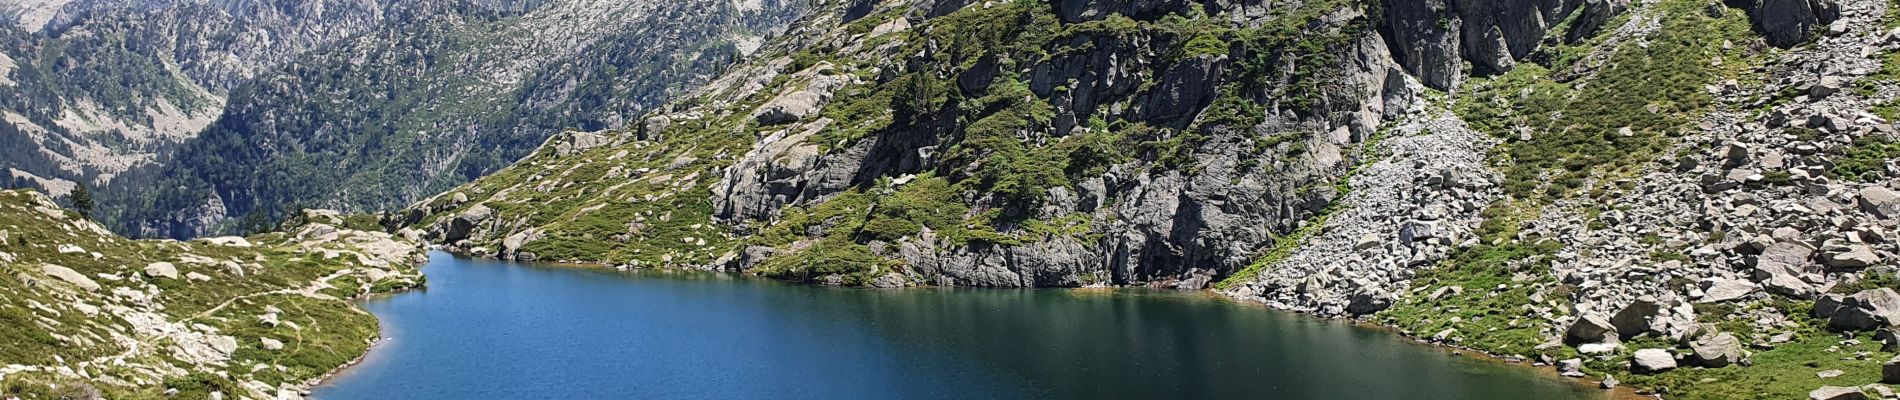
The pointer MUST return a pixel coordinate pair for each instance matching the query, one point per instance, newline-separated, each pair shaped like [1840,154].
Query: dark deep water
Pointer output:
[498,330]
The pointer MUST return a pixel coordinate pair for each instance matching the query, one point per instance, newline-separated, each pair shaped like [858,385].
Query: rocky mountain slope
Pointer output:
[432,101]
[91,89]
[88,314]
[1695,197]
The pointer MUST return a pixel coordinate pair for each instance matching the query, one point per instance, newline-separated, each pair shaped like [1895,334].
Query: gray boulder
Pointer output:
[1837,393]
[790,107]
[1724,290]
[1717,351]
[1880,201]
[161,270]
[1855,256]
[1650,361]
[1591,328]
[1370,300]
[462,225]
[1634,320]
[1867,310]
[1570,367]
[70,276]
[1890,371]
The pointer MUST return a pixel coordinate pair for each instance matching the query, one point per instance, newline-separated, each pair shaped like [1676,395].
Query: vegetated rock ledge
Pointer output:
[264,316]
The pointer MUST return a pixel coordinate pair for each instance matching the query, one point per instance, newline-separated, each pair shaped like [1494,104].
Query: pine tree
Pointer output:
[82,201]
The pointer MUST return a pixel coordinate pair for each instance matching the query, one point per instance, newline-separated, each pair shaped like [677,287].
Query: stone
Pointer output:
[1783,258]
[1572,367]
[70,276]
[1780,266]
[1832,373]
[1867,310]
[1837,393]
[890,280]
[1890,371]
[1724,290]
[1590,328]
[789,108]
[464,224]
[1597,348]
[1417,231]
[1609,382]
[1717,351]
[1825,306]
[1634,320]
[1651,361]
[1370,300]
[1856,256]
[1826,86]
[1880,201]
[1735,155]
[230,241]
[271,344]
[1369,241]
[197,277]
[161,270]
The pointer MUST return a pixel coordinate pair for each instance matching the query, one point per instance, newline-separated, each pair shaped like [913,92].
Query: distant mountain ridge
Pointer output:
[432,101]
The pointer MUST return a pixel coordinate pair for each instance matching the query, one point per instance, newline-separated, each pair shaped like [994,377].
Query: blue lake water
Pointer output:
[497,330]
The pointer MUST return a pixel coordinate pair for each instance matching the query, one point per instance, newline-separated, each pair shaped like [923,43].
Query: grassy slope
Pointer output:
[43,326]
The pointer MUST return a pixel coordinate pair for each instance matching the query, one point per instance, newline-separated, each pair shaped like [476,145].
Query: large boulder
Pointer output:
[1837,393]
[1867,310]
[1724,290]
[70,276]
[790,107]
[1635,319]
[1880,201]
[161,270]
[1650,361]
[464,224]
[1780,268]
[1854,256]
[1717,351]
[1370,300]
[1890,371]
[1590,328]
[229,241]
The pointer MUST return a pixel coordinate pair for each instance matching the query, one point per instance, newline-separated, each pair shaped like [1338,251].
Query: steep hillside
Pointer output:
[1615,188]
[433,101]
[91,89]
[88,314]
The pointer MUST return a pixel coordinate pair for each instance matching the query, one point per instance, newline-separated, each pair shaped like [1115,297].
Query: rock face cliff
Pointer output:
[89,314]
[1524,178]
[445,92]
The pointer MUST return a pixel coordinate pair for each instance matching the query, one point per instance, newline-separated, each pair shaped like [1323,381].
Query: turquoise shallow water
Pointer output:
[497,330]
